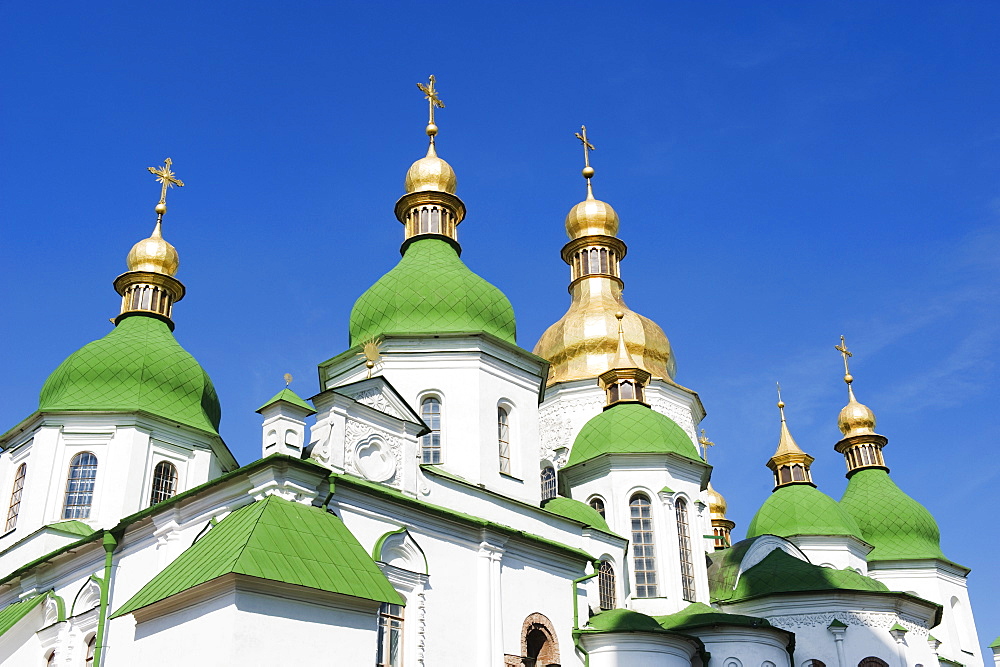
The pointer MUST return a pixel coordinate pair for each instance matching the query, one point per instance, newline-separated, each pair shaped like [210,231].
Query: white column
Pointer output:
[490,616]
[838,630]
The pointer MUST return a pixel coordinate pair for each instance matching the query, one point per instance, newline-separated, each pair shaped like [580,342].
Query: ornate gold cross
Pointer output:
[844,352]
[705,444]
[587,146]
[432,98]
[166,177]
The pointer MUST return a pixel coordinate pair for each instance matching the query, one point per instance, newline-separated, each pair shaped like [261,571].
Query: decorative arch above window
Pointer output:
[164,482]
[80,486]
[643,550]
[430,443]
[607,585]
[15,497]
[549,485]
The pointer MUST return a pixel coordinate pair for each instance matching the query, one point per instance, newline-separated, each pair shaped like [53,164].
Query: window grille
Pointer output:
[606,585]
[643,553]
[164,482]
[390,635]
[684,543]
[549,487]
[430,444]
[15,497]
[80,486]
[503,439]
[598,505]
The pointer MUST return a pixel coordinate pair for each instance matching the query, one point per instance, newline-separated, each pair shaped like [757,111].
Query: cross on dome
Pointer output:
[165,176]
[588,171]
[431,95]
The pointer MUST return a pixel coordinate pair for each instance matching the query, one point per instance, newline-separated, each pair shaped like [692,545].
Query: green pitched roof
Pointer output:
[431,291]
[72,527]
[995,644]
[631,428]
[622,620]
[288,396]
[800,509]
[278,540]
[898,526]
[780,572]
[699,615]
[138,366]
[14,612]
[578,511]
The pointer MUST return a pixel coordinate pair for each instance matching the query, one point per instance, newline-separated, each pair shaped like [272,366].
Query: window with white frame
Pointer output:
[80,486]
[164,482]
[503,438]
[15,497]
[430,443]
[643,550]
[390,635]
[606,585]
[549,486]
[684,544]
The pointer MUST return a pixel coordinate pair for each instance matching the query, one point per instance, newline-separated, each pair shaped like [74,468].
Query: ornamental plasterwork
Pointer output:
[376,398]
[372,453]
[677,413]
[421,626]
[558,423]
[871,619]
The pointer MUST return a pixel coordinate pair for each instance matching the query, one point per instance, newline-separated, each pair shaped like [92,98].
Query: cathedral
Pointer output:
[447,497]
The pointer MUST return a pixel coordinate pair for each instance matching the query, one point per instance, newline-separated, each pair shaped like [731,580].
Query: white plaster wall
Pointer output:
[638,650]
[751,647]
[832,550]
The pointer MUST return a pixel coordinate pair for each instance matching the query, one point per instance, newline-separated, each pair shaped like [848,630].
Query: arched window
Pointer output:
[643,553]
[91,646]
[430,444]
[15,497]
[164,482]
[872,661]
[390,635]
[548,482]
[813,663]
[503,438]
[684,543]
[598,505]
[80,486]
[606,585]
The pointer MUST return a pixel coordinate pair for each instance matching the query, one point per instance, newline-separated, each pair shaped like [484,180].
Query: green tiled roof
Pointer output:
[431,291]
[576,510]
[800,509]
[138,366]
[288,396]
[780,572]
[622,620]
[699,615]
[631,428]
[995,644]
[278,540]
[898,526]
[14,612]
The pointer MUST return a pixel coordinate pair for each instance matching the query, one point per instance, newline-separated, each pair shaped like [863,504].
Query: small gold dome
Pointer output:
[716,503]
[154,255]
[590,217]
[856,418]
[431,173]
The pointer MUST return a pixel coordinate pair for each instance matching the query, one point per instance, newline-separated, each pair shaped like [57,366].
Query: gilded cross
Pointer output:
[431,95]
[781,403]
[705,444]
[587,146]
[166,177]
[844,352]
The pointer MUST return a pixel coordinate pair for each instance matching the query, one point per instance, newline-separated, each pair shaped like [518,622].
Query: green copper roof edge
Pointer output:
[377,547]
[995,644]
[286,395]
[9,616]
[354,350]
[444,512]
[707,466]
[71,527]
[434,468]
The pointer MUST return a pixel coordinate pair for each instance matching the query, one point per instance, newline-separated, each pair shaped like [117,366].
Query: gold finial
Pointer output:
[431,95]
[166,177]
[371,352]
[588,171]
[781,403]
[844,352]
[705,444]
[288,379]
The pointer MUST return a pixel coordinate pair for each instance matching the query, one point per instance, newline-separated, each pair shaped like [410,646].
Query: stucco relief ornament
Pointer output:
[871,619]
[677,414]
[374,459]
[374,398]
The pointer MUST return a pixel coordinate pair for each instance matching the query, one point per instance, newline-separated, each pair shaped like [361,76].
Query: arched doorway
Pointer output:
[539,646]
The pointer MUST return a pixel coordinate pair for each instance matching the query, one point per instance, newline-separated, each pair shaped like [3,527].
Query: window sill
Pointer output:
[512,478]
[7,533]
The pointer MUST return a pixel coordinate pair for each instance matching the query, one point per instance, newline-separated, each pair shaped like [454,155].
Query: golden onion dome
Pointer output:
[716,503]
[591,217]
[154,255]
[855,418]
[430,173]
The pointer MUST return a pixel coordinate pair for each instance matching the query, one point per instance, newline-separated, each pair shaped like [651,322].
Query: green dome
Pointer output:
[138,366]
[578,511]
[800,509]
[622,620]
[631,428]
[898,526]
[431,291]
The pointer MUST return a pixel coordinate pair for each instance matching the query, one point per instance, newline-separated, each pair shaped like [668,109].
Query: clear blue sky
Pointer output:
[784,173]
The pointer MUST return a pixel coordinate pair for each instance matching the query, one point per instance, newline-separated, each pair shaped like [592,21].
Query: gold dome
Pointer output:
[430,173]
[716,503]
[591,217]
[154,255]
[856,418]
[584,342]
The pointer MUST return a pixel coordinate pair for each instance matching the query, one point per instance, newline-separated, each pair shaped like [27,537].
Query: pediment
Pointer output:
[378,394]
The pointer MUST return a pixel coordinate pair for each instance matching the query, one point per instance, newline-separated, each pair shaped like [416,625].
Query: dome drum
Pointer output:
[429,212]
[594,255]
[862,452]
[148,293]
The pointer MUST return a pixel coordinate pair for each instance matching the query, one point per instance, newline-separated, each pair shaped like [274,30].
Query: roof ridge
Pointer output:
[253,527]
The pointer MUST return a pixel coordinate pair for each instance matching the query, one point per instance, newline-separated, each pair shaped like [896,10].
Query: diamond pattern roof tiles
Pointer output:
[700,615]
[631,428]
[898,526]
[431,291]
[278,540]
[139,365]
[800,509]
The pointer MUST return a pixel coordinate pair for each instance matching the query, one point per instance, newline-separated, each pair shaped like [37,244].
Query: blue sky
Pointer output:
[784,172]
